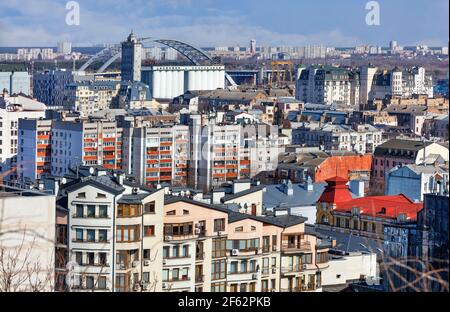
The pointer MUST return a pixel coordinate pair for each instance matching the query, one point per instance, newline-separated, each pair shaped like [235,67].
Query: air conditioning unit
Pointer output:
[135,264]
[274,270]
[304,266]
[197,225]
[164,261]
[146,262]
[254,276]
[274,248]
[167,238]
[235,252]
[198,231]
[145,287]
[136,287]
[219,233]
[164,285]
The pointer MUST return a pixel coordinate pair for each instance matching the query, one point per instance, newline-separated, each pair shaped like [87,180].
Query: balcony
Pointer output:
[199,279]
[200,256]
[301,246]
[293,269]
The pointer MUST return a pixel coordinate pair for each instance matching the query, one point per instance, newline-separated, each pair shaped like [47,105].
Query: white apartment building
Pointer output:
[85,142]
[323,85]
[27,229]
[362,139]
[91,96]
[13,108]
[15,79]
[115,235]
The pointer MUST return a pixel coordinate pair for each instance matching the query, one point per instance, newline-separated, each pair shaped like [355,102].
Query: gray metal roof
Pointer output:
[274,196]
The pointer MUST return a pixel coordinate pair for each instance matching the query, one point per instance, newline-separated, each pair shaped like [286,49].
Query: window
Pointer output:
[185,251]
[185,212]
[149,208]
[91,211]
[102,211]
[80,211]
[91,258]
[102,258]
[322,257]
[175,274]
[183,229]
[219,247]
[166,252]
[128,233]
[239,229]
[149,230]
[234,267]
[219,225]
[127,211]
[81,195]
[102,236]
[146,254]
[146,277]
[252,268]
[306,259]
[265,269]
[266,243]
[218,287]
[89,282]
[100,195]
[218,269]
[102,282]
[79,235]
[91,236]
[243,266]
[165,275]
[121,283]
[79,257]
[171,213]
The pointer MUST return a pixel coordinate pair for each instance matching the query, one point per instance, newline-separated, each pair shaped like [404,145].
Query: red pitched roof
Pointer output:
[336,191]
[383,206]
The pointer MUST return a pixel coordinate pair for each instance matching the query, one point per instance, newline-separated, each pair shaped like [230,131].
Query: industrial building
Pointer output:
[168,82]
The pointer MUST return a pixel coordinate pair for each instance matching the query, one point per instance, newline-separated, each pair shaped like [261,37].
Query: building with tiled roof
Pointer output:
[365,216]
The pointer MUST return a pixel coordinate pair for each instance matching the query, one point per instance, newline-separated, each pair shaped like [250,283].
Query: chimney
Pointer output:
[288,188]
[309,184]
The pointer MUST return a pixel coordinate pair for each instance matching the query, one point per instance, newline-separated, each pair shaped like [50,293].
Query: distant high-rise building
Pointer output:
[253,47]
[64,47]
[393,46]
[131,59]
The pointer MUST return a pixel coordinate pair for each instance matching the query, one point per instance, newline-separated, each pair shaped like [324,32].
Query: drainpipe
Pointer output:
[113,245]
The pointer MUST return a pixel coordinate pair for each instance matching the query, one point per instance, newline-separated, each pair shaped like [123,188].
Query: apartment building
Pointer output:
[13,108]
[35,149]
[27,240]
[360,138]
[324,85]
[91,96]
[194,252]
[85,142]
[215,154]
[156,155]
[399,152]
[400,82]
[274,254]
[115,234]
[15,79]
[337,210]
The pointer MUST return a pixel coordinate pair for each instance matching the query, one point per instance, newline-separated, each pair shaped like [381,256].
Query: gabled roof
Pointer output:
[252,190]
[105,183]
[175,199]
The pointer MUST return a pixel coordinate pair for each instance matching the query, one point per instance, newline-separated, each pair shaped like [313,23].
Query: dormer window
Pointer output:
[171,213]
[81,195]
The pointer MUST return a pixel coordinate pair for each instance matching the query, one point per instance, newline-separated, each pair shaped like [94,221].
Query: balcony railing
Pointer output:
[177,257]
[292,269]
[200,256]
[302,246]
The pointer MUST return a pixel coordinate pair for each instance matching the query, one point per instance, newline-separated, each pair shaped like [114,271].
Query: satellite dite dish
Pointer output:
[91,170]
[64,181]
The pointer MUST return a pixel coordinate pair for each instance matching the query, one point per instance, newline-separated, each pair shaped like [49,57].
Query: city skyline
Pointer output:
[219,23]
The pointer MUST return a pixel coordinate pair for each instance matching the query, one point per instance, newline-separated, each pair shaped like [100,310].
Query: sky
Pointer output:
[205,23]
